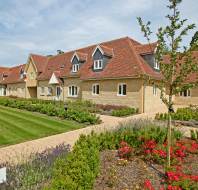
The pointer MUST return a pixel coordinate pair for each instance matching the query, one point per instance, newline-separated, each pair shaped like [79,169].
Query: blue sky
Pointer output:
[44,26]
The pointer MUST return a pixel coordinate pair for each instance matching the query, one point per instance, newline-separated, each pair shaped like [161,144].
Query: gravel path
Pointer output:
[20,152]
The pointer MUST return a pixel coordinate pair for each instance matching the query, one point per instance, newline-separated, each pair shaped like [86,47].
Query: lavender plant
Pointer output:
[34,173]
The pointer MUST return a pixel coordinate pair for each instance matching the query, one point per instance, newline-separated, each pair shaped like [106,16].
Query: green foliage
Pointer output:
[124,112]
[194,42]
[194,134]
[81,167]
[183,114]
[76,110]
[177,68]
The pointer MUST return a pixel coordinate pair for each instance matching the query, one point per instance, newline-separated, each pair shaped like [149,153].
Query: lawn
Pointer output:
[18,126]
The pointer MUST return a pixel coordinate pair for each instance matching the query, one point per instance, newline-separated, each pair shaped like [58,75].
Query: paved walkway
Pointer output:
[20,152]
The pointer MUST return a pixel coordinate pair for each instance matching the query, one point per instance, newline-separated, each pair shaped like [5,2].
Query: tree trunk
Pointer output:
[169,131]
[169,139]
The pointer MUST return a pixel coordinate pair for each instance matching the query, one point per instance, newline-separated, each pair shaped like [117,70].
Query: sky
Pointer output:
[45,26]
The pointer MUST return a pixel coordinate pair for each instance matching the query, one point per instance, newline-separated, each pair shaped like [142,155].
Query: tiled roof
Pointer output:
[82,56]
[146,48]
[13,75]
[3,72]
[125,62]
[107,51]
[40,62]
[193,77]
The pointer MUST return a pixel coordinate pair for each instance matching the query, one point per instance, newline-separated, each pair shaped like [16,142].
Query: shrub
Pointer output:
[77,111]
[81,167]
[108,107]
[124,112]
[184,114]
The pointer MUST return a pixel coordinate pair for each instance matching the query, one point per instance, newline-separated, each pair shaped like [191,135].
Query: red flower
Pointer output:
[170,187]
[148,185]
[151,144]
[125,150]
[162,153]
[173,176]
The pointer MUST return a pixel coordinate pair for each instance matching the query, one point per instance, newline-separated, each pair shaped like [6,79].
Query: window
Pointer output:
[49,91]
[4,91]
[73,91]
[42,90]
[154,90]
[122,88]
[95,89]
[75,68]
[21,76]
[156,65]
[185,93]
[98,64]
[58,91]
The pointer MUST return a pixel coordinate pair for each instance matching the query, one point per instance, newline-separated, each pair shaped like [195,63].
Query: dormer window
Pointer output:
[98,64]
[21,74]
[156,65]
[75,68]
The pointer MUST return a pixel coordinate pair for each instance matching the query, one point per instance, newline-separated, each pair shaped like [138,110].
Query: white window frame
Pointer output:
[75,68]
[156,65]
[154,90]
[74,93]
[49,91]
[122,89]
[94,89]
[98,64]
[188,93]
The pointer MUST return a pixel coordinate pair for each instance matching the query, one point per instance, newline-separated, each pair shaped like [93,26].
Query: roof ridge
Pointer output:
[136,56]
[131,39]
[146,44]
[100,43]
[38,55]
[105,46]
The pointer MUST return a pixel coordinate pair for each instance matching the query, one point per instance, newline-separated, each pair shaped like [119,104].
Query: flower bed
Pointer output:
[147,142]
[34,173]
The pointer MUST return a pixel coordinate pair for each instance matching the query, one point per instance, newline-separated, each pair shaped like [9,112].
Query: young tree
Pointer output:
[175,64]
[194,42]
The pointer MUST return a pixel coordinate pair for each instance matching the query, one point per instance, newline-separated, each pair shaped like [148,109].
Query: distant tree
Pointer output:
[176,69]
[194,42]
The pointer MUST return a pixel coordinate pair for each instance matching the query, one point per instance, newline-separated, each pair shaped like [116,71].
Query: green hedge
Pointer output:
[51,108]
[81,167]
[183,114]
[124,112]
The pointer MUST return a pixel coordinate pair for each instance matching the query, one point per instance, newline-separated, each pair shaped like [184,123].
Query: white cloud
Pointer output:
[43,26]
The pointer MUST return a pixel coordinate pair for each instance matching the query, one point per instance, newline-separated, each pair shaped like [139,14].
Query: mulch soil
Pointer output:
[117,174]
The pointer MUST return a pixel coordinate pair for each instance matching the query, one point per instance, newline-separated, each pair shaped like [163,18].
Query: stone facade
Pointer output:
[18,90]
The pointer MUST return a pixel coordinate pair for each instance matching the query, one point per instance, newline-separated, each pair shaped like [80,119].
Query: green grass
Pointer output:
[18,126]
